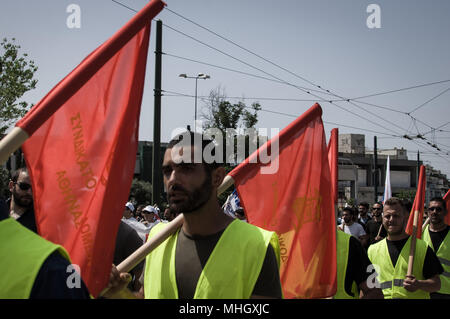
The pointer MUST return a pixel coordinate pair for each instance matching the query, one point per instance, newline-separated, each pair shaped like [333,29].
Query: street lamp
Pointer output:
[199,76]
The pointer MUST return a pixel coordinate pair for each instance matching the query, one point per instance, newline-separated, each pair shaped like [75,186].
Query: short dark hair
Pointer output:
[192,138]
[15,175]
[440,200]
[349,209]
[404,203]
[364,204]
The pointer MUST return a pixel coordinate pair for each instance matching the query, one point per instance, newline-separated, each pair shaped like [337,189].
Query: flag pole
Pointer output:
[12,142]
[135,258]
[413,243]
[379,230]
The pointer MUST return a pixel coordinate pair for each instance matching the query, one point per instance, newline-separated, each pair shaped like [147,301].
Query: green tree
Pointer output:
[16,78]
[351,202]
[223,115]
[4,181]
[230,119]
[407,194]
[141,192]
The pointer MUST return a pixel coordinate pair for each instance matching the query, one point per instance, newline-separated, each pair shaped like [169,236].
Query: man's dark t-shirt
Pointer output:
[191,256]
[431,265]
[372,228]
[127,242]
[357,265]
[27,219]
[438,237]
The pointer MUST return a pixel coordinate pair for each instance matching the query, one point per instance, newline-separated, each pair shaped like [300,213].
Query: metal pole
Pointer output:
[156,165]
[195,117]
[375,163]
[418,168]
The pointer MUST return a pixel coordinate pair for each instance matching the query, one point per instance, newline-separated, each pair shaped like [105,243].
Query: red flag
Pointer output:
[418,205]
[447,205]
[297,204]
[82,150]
[333,161]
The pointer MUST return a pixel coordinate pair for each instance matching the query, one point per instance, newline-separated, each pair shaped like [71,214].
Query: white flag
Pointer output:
[387,182]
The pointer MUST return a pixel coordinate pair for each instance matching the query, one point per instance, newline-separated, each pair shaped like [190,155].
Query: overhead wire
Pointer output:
[290,84]
[328,91]
[323,90]
[279,113]
[281,80]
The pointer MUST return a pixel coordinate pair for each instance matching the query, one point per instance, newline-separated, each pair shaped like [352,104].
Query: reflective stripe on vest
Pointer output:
[230,272]
[443,253]
[22,254]
[444,261]
[342,246]
[390,277]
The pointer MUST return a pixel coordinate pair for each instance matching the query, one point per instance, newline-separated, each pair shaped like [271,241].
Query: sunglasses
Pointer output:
[438,209]
[24,186]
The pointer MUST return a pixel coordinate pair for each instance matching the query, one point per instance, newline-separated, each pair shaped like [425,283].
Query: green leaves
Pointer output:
[16,78]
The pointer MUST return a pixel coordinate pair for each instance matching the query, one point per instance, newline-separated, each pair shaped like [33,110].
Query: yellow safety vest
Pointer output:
[390,277]
[22,254]
[443,253]
[230,272]
[342,246]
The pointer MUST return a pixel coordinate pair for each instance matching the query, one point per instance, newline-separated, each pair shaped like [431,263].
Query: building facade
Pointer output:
[360,179]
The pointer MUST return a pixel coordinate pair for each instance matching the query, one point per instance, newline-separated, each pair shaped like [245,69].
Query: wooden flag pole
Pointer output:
[379,230]
[135,258]
[12,142]
[413,244]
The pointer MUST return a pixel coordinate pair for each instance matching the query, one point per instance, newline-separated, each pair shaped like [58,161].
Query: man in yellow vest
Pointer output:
[355,275]
[212,255]
[437,235]
[32,267]
[390,258]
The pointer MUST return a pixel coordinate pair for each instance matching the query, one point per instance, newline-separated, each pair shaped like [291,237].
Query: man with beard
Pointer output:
[390,258]
[437,235]
[212,255]
[374,227]
[351,227]
[31,266]
[21,201]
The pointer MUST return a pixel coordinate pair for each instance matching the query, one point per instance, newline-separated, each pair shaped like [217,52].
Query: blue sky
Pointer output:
[327,43]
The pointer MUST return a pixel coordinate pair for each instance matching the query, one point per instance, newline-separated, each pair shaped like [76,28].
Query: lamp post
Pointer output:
[199,76]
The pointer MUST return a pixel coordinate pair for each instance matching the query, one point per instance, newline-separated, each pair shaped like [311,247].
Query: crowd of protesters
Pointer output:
[368,236]
[382,233]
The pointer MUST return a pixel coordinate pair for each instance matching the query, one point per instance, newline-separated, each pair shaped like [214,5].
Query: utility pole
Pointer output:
[418,168]
[375,170]
[156,164]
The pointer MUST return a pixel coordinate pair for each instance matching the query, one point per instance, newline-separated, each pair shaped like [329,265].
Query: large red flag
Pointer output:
[418,205]
[447,205]
[333,161]
[291,195]
[82,150]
